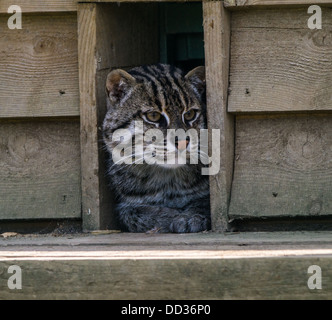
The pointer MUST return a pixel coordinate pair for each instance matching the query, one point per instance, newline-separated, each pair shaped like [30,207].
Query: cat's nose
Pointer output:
[181,145]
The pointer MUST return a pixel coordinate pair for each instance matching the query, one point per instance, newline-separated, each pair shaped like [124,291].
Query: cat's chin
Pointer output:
[171,166]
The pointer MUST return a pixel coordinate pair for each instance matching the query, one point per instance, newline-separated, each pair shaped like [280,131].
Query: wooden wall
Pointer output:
[39,76]
[39,169]
[278,64]
[39,6]
[268,91]
[280,91]
[283,166]
[39,113]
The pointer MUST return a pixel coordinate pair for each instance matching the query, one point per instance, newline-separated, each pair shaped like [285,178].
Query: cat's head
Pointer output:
[159,97]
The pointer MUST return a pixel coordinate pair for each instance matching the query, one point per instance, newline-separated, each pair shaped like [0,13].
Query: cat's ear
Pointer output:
[118,83]
[196,78]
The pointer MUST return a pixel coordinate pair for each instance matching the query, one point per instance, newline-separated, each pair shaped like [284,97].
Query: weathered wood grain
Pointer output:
[217,44]
[119,244]
[89,127]
[40,5]
[39,170]
[200,266]
[230,4]
[39,67]
[105,30]
[283,167]
[200,279]
[278,63]
[133,23]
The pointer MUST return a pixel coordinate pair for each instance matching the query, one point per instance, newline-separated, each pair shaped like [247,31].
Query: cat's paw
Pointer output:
[198,223]
[190,223]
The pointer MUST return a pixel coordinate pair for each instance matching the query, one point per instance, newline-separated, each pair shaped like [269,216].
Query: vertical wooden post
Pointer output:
[96,211]
[89,141]
[217,47]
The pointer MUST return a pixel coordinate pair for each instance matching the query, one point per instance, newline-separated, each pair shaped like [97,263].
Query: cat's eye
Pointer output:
[153,116]
[190,115]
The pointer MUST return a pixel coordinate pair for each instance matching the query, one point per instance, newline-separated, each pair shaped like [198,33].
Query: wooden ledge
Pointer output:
[167,246]
[167,266]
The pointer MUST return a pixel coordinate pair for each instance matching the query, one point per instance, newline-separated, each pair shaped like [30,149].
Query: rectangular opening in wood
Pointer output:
[125,35]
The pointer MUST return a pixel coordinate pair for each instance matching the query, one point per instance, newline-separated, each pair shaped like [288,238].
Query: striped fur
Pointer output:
[163,198]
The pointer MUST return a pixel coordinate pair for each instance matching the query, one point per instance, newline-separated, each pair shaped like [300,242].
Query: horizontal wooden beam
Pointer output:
[184,278]
[282,167]
[255,3]
[39,67]
[140,266]
[40,5]
[278,64]
[39,170]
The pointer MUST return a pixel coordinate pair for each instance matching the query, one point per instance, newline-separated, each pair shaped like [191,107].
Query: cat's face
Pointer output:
[160,100]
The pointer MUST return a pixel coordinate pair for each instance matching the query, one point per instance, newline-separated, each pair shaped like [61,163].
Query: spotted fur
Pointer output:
[163,198]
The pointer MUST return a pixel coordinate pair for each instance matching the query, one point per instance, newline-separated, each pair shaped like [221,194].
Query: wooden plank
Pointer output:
[283,167]
[115,244]
[104,34]
[164,279]
[138,266]
[39,170]
[132,1]
[38,73]
[217,43]
[40,5]
[88,109]
[230,4]
[278,63]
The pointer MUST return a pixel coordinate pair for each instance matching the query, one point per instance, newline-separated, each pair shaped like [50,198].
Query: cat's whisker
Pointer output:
[135,162]
[123,165]
[133,155]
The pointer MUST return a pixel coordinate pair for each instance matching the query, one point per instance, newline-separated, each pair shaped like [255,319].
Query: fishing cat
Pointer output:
[159,197]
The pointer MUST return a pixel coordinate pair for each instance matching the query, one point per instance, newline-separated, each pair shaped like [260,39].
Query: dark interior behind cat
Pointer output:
[157,197]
